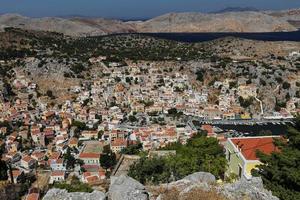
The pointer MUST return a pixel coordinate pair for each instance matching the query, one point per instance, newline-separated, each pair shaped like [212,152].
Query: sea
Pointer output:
[201,37]
[255,130]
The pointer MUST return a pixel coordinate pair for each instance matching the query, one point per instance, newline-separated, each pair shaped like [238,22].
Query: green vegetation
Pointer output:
[281,170]
[79,125]
[286,85]
[69,159]
[108,158]
[200,75]
[74,186]
[132,118]
[3,171]
[199,154]
[49,93]
[245,103]
[132,149]
[173,112]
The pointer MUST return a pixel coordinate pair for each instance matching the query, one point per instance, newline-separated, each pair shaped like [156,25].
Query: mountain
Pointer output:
[292,16]
[72,26]
[237,9]
[246,21]
[223,22]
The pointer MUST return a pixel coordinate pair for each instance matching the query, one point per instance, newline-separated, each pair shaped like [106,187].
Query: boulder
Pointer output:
[58,194]
[201,177]
[126,188]
[253,189]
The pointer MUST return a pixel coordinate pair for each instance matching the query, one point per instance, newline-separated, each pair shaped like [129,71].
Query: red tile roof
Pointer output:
[57,173]
[119,142]
[208,128]
[33,196]
[89,155]
[91,179]
[27,158]
[249,146]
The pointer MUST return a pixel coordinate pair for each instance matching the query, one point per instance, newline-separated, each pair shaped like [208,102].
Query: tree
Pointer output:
[74,186]
[132,118]
[199,154]
[132,149]
[50,94]
[286,85]
[100,133]
[108,158]
[245,103]
[280,171]
[3,171]
[69,159]
[200,75]
[79,125]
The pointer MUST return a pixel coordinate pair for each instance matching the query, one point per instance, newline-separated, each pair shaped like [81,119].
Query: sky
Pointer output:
[132,9]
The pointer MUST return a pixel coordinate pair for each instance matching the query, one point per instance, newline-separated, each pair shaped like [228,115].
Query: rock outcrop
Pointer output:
[58,194]
[253,189]
[204,184]
[126,188]
[201,177]
[200,185]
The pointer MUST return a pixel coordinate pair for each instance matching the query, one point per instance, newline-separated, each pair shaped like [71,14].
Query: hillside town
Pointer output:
[126,105]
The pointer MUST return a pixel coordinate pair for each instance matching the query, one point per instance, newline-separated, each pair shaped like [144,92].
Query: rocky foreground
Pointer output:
[199,185]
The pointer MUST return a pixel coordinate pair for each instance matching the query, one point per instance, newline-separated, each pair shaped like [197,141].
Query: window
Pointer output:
[240,171]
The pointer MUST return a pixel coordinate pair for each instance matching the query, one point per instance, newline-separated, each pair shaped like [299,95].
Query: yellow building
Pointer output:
[241,153]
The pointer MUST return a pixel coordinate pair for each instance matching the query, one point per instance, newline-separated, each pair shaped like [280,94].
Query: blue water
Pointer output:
[201,37]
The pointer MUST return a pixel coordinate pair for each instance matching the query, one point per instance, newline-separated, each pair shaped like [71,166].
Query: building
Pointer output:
[73,142]
[241,153]
[16,175]
[57,176]
[118,144]
[209,130]
[90,158]
[27,162]
[87,135]
[57,164]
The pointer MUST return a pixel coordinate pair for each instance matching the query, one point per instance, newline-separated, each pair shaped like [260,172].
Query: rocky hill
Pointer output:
[246,21]
[72,27]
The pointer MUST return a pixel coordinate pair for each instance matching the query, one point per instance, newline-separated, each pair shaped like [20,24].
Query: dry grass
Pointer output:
[193,194]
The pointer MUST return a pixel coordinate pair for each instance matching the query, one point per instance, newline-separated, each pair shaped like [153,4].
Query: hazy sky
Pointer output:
[131,8]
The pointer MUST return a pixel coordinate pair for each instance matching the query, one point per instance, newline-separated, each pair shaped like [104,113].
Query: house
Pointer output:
[241,153]
[118,144]
[57,164]
[93,177]
[89,134]
[57,176]
[209,130]
[13,157]
[90,158]
[27,162]
[16,175]
[73,142]
[38,156]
